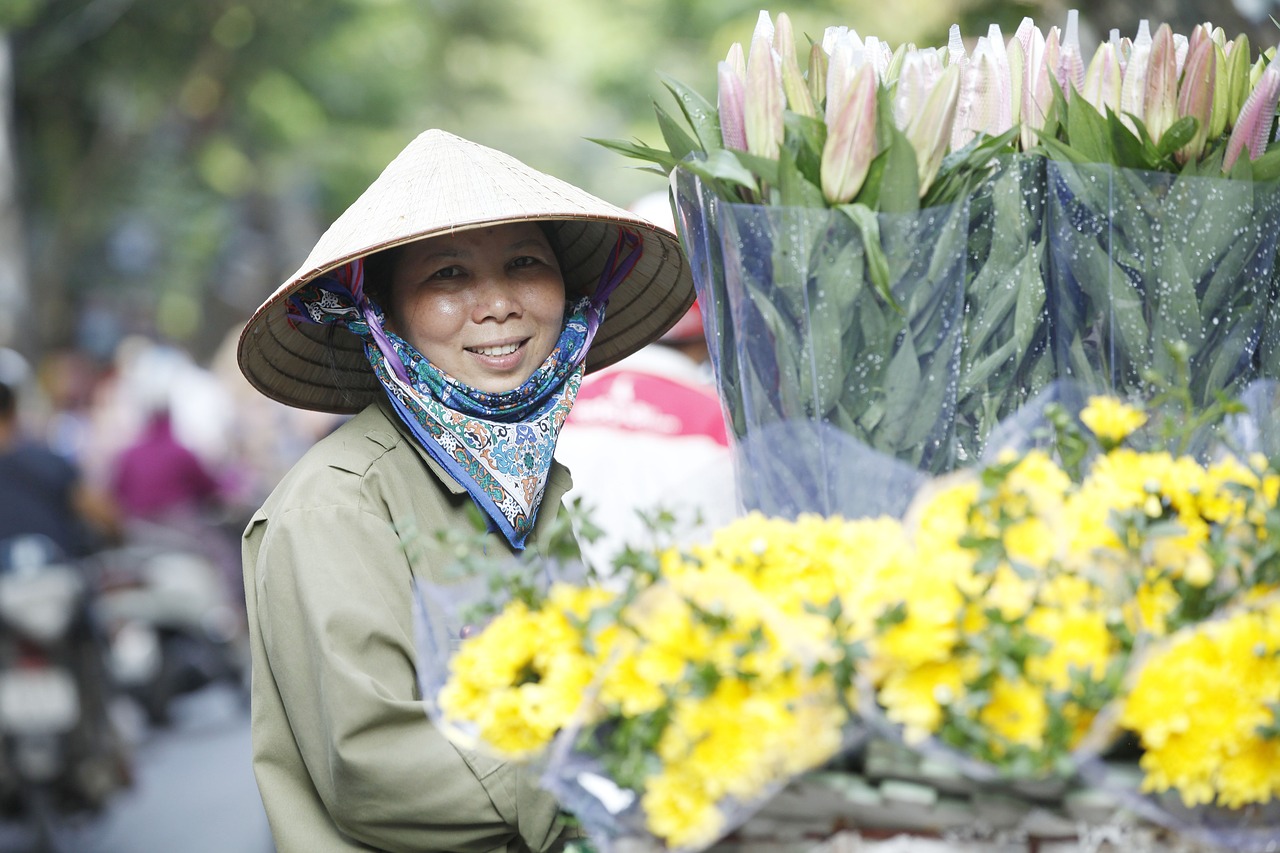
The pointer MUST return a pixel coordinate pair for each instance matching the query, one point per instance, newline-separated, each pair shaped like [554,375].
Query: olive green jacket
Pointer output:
[344,754]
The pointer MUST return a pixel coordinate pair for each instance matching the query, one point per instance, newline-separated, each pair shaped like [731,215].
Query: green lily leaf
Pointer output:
[702,115]
[1178,135]
[639,151]
[722,165]
[1129,151]
[679,142]
[794,187]
[1266,167]
[877,264]
[1087,131]
[899,186]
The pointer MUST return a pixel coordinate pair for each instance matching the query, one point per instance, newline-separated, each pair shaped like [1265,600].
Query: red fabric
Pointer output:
[642,402]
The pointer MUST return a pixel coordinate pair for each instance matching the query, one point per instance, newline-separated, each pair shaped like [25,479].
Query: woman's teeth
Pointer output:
[505,349]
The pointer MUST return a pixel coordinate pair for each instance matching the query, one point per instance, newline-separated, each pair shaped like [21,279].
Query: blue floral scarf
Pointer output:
[498,446]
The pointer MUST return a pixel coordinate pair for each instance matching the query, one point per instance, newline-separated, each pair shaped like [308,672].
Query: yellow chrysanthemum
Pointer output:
[1080,643]
[1110,419]
[522,679]
[1017,712]
[916,698]
[679,810]
[1201,706]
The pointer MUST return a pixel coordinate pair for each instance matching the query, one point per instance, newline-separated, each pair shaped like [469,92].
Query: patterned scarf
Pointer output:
[498,446]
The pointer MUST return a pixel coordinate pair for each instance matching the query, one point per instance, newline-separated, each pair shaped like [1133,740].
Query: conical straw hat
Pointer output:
[439,184]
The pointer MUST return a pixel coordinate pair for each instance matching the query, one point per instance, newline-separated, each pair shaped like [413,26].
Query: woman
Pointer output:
[488,289]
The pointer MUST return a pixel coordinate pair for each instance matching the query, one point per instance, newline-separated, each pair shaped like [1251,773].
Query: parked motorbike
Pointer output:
[174,628]
[62,754]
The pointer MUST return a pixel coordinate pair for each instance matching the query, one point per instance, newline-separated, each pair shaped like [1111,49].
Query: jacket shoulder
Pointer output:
[334,468]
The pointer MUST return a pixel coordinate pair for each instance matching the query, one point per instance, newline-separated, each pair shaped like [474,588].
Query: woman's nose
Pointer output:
[495,299]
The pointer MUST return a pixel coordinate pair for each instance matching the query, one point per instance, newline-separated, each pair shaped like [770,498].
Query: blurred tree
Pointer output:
[177,160]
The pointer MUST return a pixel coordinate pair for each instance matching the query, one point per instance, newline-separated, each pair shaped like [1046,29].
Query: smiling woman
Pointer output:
[455,306]
[485,306]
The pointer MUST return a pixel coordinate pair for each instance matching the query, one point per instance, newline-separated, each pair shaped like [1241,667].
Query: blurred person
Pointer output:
[158,478]
[454,308]
[648,436]
[43,492]
[170,498]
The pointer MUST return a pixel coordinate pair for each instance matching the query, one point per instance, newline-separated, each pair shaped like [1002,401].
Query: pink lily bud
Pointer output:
[1017,77]
[915,81]
[817,80]
[872,52]
[1253,127]
[1221,93]
[1235,83]
[1071,63]
[763,100]
[1103,79]
[930,129]
[847,55]
[1198,32]
[912,89]
[956,54]
[1134,86]
[793,85]
[1121,48]
[1037,100]
[730,100]
[894,71]
[851,137]
[1024,35]
[764,28]
[1195,96]
[995,43]
[1053,53]
[984,104]
[830,36]
[737,60]
[1035,79]
[1160,101]
[1181,47]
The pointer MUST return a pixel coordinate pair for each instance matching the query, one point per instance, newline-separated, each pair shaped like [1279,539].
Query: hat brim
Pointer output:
[324,368]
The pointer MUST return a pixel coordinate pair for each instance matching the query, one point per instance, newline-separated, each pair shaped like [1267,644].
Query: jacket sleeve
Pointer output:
[335,613]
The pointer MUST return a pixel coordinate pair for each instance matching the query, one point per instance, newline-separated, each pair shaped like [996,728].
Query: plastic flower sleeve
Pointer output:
[821,344]
[1257,429]
[1144,261]
[1209,768]
[1005,358]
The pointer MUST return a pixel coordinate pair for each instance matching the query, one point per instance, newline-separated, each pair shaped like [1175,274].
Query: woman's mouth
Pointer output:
[497,350]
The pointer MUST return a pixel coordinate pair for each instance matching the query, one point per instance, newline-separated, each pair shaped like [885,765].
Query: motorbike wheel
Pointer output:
[184,667]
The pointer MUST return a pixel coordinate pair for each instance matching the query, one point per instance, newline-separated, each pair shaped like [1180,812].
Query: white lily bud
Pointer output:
[1071,64]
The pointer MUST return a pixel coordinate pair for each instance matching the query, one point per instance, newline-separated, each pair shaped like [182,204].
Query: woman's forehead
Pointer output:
[486,239]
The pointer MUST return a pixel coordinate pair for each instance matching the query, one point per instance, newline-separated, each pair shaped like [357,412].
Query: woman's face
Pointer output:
[485,306]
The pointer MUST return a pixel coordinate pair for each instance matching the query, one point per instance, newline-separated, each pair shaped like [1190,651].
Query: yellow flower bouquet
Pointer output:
[1022,619]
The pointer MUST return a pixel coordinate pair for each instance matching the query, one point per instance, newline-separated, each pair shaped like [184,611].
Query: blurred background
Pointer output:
[164,165]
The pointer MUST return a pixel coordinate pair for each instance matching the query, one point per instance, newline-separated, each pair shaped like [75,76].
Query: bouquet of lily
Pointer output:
[1004,620]
[899,246]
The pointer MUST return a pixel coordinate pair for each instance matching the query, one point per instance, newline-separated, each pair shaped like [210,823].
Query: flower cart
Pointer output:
[996,333]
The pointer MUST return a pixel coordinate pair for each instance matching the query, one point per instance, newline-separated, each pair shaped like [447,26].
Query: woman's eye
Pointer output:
[446,272]
[524,261]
